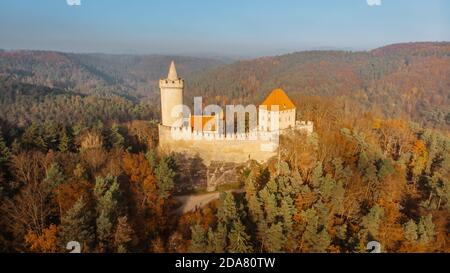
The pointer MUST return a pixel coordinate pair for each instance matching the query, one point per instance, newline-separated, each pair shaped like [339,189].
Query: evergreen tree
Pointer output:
[270,205]
[287,211]
[323,242]
[165,177]
[227,212]
[317,175]
[217,240]
[239,239]
[426,229]
[33,139]
[198,239]
[253,203]
[316,238]
[152,159]
[65,142]
[274,238]
[54,177]
[115,138]
[50,133]
[4,151]
[410,230]
[371,222]
[107,194]
[323,214]
[104,228]
[77,225]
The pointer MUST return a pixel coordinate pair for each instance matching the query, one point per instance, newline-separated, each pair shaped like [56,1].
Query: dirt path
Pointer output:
[192,202]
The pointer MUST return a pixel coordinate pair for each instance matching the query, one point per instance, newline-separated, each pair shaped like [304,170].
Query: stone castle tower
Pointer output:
[171,96]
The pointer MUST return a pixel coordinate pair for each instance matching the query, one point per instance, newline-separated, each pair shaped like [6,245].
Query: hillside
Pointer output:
[402,80]
[410,81]
[95,73]
[22,105]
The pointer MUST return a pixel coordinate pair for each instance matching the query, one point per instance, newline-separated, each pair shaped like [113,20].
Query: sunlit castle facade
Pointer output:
[207,135]
[171,96]
[276,106]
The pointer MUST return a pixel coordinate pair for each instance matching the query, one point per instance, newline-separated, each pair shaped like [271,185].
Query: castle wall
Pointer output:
[231,148]
[234,148]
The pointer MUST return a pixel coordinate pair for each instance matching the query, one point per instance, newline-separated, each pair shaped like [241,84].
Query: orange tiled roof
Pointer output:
[205,123]
[278,97]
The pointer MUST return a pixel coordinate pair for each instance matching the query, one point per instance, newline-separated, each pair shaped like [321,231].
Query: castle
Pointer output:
[213,137]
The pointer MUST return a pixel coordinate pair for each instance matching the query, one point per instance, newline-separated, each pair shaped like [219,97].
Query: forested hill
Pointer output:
[403,80]
[409,81]
[130,75]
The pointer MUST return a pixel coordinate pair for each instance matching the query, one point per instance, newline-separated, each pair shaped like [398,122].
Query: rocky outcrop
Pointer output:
[221,173]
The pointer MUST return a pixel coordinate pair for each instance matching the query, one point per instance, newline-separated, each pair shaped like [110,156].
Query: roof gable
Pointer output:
[278,98]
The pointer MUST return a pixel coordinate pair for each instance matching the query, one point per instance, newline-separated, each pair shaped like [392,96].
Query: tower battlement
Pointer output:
[166,83]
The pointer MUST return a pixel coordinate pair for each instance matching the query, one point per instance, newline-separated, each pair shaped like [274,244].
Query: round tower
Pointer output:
[171,96]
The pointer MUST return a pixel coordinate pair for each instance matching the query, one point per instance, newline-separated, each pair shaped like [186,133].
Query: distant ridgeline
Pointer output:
[403,80]
[397,81]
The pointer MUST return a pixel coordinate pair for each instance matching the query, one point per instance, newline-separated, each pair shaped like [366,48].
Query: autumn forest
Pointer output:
[79,155]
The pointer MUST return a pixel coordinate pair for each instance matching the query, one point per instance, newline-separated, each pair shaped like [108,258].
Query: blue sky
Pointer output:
[218,27]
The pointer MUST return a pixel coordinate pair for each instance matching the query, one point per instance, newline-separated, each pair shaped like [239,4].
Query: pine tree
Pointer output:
[253,202]
[274,238]
[116,139]
[239,239]
[410,230]
[4,151]
[151,157]
[65,142]
[315,236]
[198,239]
[317,175]
[106,192]
[165,178]
[77,225]
[371,222]
[426,229]
[271,208]
[104,227]
[4,156]
[227,212]
[217,240]
[287,210]
[123,235]
[323,241]
[269,204]
[54,176]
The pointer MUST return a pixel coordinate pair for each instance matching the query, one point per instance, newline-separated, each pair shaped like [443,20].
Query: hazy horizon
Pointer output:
[230,29]
[212,55]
